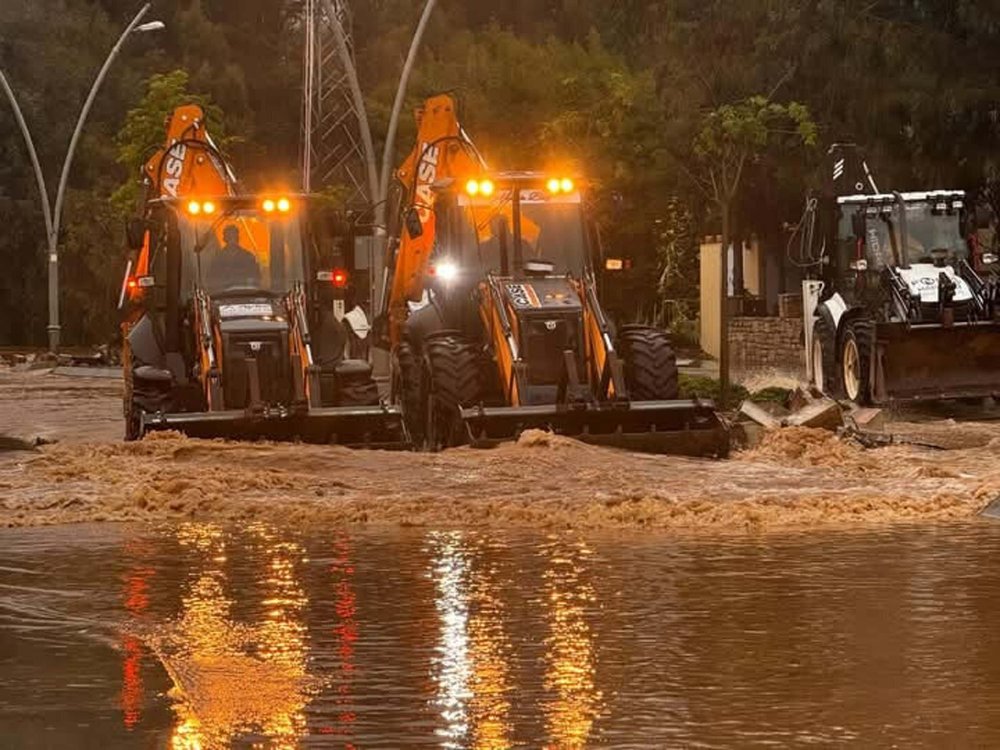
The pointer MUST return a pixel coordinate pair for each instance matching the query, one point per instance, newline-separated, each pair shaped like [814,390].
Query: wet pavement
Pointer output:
[202,636]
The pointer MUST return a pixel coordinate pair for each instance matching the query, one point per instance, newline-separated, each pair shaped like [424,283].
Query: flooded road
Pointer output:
[797,479]
[200,636]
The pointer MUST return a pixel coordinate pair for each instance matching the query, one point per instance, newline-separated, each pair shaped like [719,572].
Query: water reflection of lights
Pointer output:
[470,666]
[136,603]
[234,678]
[451,664]
[490,650]
[282,637]
[346,634]
[576,702]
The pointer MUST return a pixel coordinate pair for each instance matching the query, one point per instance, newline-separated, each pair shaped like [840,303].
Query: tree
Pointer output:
[732,138]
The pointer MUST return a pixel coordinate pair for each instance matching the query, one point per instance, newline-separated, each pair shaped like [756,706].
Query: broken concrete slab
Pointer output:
[758,414]
[22,442]
[824,414]
[868,419]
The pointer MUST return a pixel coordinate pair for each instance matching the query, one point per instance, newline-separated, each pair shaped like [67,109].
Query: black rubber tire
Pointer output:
[130,409]
[133,412]
[133,430]
[649,363]
[408,390]
[451,367]
[831,374]
[860,332]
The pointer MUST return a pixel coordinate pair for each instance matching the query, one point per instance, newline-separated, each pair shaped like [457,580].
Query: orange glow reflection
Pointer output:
[345,633]
[136,593]
[490,652]
[232,678]
[575,701]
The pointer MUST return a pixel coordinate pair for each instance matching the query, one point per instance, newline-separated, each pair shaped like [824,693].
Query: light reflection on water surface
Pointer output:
[201,636]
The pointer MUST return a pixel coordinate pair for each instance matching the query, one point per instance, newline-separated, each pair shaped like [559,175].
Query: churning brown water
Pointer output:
[798,479]
[202,636]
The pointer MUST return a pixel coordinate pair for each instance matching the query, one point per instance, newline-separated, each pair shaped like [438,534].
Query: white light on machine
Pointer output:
[446,270]
[614,264]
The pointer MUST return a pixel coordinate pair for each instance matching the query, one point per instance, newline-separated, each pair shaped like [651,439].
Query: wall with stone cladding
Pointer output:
[771,344]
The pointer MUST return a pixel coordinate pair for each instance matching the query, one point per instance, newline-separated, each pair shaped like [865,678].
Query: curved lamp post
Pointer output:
[389,151]
[53,218]
[397,105]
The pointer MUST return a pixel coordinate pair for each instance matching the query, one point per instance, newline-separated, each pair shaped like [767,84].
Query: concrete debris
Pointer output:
[804,407]
[822,413]
[759,415]
[22,443]
[871,420]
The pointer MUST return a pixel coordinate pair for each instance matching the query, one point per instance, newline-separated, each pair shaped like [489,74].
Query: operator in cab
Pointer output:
[234,266]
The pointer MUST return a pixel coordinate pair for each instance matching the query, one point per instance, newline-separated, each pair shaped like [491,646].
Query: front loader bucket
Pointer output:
[937,362]
[351,426]
[688,428]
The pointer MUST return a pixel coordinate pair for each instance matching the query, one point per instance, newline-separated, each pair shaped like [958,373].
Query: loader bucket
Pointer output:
[351,426]
[937,362]
[688,428]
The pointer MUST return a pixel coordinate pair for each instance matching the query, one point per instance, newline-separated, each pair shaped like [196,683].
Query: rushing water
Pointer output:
[200,636]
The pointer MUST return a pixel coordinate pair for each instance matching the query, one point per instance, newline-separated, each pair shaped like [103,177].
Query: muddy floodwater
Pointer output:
[543,594]
[200,636]
[797,479]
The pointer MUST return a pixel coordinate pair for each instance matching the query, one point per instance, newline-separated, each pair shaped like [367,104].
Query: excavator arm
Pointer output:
[189,163]
[443,152]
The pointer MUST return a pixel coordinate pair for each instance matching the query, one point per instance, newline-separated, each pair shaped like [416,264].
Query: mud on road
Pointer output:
[797,478]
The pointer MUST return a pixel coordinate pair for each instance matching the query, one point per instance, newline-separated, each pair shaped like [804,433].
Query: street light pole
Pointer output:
[53,243]
[389,152]
[32,154]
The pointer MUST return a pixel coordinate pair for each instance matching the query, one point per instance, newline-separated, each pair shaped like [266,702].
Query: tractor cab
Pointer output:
[512,224]
[239,248]
[528,223]
[914,240]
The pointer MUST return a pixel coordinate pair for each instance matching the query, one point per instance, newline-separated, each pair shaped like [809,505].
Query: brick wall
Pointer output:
[766,344]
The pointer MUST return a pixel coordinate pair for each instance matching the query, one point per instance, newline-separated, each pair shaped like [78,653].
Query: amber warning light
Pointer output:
[556,185]
[484,188]
[199,207]
[281,205]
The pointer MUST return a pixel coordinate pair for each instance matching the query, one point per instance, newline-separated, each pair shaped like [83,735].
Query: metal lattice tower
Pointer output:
[331,144]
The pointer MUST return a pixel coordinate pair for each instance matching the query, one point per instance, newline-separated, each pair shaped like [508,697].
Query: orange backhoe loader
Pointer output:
[493,317]
[234,306]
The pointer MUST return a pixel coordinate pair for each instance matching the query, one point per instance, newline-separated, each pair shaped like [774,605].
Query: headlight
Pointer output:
[446,270]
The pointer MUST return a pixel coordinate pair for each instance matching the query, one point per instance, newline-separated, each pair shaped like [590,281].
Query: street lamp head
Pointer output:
[150,26]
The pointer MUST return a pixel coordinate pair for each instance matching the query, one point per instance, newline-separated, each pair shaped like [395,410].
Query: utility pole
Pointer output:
[337,145]
[336,140]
